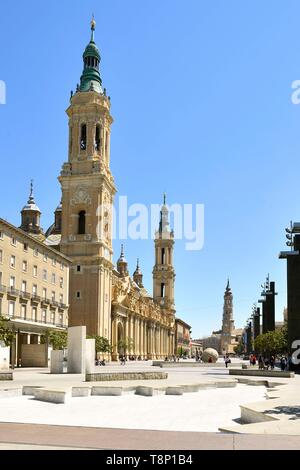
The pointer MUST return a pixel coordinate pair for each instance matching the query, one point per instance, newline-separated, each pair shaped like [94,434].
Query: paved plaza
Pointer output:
[194,420]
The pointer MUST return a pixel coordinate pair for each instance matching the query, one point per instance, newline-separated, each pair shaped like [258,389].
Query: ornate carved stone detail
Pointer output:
[81,196]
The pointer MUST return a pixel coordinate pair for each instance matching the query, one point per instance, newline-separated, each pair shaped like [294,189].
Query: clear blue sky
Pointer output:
[201,97]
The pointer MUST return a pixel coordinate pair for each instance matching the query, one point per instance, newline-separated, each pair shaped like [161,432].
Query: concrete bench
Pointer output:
[262,373]
[107,391]
[6,375]
[144,391]
[174,390]
[52,395]
[10,392]
[81,391]
[30,389]
[115,376]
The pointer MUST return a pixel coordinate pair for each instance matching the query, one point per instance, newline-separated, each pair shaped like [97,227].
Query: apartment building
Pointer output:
[34,285]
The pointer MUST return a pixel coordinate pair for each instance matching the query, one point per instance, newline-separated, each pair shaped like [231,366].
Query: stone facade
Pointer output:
[34,287]
[103,297]
[230,336]
[71,264]
[182,338]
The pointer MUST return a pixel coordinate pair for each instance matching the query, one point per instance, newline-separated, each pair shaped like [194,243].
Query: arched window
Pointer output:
[98,138]
[83,137]
[162,290]
[81,223]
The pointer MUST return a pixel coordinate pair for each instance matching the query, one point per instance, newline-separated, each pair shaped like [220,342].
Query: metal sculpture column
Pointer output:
[293,293]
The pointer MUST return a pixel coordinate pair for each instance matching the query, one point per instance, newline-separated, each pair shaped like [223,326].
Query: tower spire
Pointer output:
[93,27]
[164,225]
[31,197]
[122,265]
[90,79]
[138,275]
[31,215]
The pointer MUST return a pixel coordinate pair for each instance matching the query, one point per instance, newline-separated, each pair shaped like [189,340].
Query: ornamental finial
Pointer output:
[31,198]
[93,27]
[93,23]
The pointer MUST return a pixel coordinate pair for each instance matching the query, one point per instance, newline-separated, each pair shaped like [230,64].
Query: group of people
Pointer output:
[266,362]
[100,362]
[269,362]
[172,358]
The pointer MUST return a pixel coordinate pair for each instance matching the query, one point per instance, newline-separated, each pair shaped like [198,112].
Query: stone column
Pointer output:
[90,138]
[131,334]
[136,337]
[114,340]
[151,332]
[142,338]
[159,342]
[166,342]
[145,339]
[127,334]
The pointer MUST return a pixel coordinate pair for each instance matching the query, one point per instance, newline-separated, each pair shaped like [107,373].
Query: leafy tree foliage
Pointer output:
[6,333]
[102,344]
[273,342]
[58,339]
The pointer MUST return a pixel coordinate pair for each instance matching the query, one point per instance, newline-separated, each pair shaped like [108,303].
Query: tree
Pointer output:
[102,344]
[6,333]
[239,348]
[125,344]
[273,342]
[57,339]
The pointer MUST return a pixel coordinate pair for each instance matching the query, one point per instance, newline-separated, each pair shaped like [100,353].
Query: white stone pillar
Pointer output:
[76,349]
[90,353]
[57,362]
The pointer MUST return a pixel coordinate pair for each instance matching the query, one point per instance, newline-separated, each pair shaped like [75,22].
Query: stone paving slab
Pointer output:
[35,436]
[283,408]
[288,428]
[262,373]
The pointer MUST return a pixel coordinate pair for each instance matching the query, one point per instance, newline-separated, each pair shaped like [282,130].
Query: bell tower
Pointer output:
[228,322]
[163,271]
[88,191]
[31,217]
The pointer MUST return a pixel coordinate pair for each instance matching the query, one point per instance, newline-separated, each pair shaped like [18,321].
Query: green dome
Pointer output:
[92,50]
[90,79]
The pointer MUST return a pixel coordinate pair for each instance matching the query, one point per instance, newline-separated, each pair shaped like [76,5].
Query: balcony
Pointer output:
[34,320]
[62,306]
[54,303]
[45,302]
[35,299]
[2,289]
[25,295]
[12,292]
